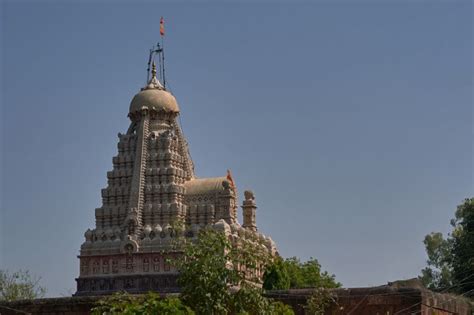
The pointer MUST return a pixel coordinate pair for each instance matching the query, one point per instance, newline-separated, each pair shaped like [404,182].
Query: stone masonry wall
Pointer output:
[382,300]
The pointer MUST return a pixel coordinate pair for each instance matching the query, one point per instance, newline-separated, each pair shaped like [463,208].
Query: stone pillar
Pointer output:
[249,209]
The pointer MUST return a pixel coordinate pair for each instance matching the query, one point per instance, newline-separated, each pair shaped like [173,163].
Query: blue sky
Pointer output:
[350,120]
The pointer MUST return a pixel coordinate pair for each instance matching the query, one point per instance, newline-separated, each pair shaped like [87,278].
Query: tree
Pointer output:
[19,285]
[218,277]
[292,273]
[463,248]
[437,275]
[313,277]
[451,259]
[204,276]
[276,276]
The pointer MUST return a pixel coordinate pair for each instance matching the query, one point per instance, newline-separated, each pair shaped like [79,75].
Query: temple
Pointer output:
[151,187]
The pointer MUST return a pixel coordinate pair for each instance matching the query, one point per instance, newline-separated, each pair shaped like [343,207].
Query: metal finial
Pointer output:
[153,70]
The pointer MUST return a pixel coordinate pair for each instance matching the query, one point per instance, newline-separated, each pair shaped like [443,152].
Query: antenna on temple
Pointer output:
[158,50]
[150,57]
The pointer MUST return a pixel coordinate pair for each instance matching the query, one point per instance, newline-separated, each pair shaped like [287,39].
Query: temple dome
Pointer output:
[154,98]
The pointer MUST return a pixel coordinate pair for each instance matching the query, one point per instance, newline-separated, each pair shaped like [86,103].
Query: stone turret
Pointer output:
[249,209]
[151,188]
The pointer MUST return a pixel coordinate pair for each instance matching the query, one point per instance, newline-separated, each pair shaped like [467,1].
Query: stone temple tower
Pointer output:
[151,187]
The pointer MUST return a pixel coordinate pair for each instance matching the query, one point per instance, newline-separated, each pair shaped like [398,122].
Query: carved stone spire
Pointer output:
[154,83]
[153,70]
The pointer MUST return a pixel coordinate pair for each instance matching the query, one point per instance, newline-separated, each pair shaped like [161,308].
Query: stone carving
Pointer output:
[249,195]
[115,266]
[226,184]
[88,235]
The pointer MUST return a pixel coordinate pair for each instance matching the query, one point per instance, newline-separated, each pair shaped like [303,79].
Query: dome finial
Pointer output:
[154,83]
[153,70]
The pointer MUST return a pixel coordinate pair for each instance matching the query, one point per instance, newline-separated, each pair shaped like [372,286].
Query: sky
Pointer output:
[352,121]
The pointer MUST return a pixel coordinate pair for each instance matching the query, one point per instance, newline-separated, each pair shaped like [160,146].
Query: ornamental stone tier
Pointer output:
[151,187]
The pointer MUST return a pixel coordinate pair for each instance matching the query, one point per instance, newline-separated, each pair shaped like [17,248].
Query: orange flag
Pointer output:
[162,26]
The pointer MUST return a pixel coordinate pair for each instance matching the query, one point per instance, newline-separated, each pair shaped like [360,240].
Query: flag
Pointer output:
[162,26]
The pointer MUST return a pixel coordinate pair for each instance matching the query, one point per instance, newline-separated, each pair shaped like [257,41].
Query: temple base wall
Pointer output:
[164,283]
[359,301]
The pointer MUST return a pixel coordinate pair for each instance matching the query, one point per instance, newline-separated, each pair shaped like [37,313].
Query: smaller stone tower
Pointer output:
[249,209]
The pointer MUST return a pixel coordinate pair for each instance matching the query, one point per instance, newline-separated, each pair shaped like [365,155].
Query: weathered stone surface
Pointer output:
[382,300]
[164,283]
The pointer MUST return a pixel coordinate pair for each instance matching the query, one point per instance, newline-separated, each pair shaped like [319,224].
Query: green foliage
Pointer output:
[463,247]
[205,278]
[124,303]
[319,301]
[211,268]
[437,275]
[293,266]
[451,260]
[19,285]
[249,300]
[300,275]
[276,276]
[279,308]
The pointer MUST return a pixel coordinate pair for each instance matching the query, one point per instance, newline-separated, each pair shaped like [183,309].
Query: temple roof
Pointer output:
[200,186]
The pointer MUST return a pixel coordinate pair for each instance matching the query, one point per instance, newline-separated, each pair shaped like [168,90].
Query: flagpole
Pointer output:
[158,51]
[162,61]
[163,58]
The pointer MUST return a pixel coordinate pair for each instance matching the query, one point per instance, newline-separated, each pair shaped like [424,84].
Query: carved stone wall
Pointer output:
[106,265]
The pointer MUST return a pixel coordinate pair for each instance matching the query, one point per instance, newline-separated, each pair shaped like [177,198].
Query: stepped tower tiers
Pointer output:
[151,187]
